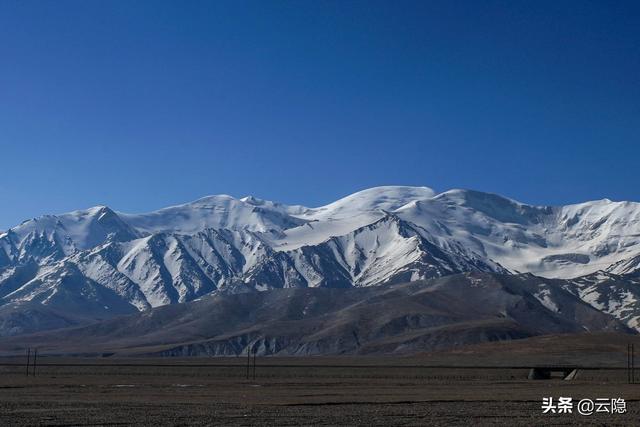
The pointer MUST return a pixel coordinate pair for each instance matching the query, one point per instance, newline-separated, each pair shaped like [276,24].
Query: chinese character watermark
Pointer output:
[565,405]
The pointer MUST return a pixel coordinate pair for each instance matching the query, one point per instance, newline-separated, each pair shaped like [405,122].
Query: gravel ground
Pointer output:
[300,395]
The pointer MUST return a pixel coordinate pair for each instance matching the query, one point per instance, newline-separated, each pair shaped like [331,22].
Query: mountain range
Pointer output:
[85,266]
[403,318]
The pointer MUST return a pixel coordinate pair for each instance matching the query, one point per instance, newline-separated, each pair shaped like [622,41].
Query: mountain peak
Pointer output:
[387,198]
[379,235]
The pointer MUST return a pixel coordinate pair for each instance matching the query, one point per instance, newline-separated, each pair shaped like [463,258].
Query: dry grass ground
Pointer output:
[309,391]
[474,385]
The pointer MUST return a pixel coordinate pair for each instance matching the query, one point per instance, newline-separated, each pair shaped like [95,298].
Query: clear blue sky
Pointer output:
[144,104]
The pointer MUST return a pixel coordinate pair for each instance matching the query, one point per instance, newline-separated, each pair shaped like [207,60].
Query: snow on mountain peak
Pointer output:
[380,235]
[386,198]
[369,237]
[77,230]
[218,212]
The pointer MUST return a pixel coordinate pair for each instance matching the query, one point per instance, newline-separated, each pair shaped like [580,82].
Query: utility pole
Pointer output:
[28,357]
[255,352]
[631,365]
[35,358]
[248,360]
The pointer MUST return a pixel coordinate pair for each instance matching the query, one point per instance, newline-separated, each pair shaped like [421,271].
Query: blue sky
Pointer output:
[140,105]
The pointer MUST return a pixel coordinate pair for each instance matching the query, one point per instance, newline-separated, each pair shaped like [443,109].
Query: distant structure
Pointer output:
[546,373]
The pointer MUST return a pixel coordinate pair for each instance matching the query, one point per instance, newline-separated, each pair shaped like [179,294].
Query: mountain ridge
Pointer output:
[403,318]
[377,236]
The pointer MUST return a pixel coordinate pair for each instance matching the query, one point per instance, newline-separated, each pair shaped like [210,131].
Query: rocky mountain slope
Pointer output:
[99,263]
[390,319]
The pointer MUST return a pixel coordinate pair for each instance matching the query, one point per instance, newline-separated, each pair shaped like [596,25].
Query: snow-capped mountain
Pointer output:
[104,263]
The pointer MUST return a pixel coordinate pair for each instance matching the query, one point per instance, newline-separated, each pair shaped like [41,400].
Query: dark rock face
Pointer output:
[573,258]
[393,319]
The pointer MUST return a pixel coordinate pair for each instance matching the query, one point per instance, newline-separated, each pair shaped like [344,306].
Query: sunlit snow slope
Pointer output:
[111,263]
